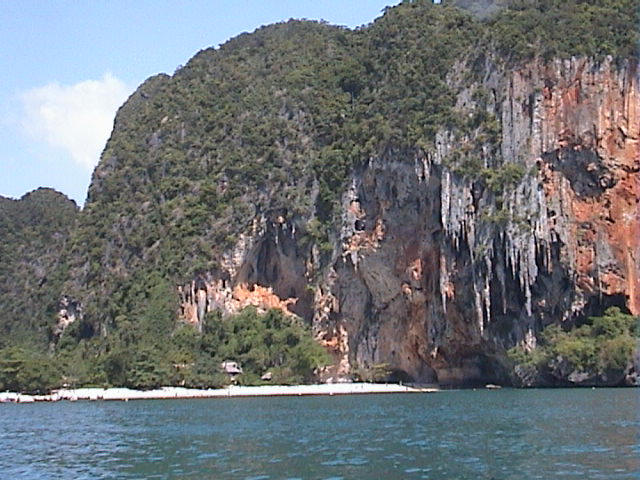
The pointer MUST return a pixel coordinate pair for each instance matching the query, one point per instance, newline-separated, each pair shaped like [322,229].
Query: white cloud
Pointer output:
[76,118]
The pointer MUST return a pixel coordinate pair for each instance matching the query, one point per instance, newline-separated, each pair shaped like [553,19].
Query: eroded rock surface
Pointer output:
[430,283]
[445,257]
[436,274]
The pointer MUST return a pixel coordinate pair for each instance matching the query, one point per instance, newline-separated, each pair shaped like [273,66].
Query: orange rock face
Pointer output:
[262,298]
[200,298]
[436,284]
[596,108]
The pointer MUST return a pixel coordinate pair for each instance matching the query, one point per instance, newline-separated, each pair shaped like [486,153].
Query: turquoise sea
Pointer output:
[502,434]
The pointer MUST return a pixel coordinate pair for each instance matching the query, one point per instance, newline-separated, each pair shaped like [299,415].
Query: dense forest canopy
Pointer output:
[34,232]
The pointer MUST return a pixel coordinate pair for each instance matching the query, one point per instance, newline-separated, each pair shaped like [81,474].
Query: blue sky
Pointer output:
[65,67]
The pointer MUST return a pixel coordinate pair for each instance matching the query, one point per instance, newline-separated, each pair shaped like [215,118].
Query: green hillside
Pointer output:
[35,231]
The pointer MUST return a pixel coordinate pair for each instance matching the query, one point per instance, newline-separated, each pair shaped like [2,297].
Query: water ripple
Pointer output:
[505,435]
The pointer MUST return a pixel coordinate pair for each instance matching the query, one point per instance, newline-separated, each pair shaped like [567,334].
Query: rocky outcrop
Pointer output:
[69,311]
[437,278]
[585,140]
[202,297]
[265,269]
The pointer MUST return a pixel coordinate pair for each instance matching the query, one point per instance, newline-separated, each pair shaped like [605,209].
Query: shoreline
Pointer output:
[165,393]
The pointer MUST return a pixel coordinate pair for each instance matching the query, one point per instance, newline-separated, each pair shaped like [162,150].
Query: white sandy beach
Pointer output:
[125,394]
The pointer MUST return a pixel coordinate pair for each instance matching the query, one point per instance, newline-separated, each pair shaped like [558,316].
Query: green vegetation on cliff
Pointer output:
[551,29]
[270,125]
[598,351]
[34,232]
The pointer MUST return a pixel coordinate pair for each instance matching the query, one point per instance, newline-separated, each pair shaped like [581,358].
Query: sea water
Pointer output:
[484,434]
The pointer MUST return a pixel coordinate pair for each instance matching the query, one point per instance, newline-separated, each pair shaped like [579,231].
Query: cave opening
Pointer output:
[84,331]
[279,265]
[398,375]
[597,305]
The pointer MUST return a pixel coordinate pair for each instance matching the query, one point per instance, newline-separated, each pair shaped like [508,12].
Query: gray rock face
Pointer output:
[437,274]
[444,259]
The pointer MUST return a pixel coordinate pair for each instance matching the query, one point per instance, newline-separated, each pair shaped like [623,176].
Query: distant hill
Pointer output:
[34,231]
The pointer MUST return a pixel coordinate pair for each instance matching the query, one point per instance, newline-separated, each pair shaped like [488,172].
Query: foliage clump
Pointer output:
[26,370]
[549,29]
[270,342]
[139,358]
[598,351]
[376,373]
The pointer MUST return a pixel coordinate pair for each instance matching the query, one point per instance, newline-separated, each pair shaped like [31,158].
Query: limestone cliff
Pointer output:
[427,192]
[429,282]
[34,230]
[437,275]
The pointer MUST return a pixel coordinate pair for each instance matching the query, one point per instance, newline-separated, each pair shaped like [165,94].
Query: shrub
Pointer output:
[600,346]
[22,370]
[379,372]
[615,353]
